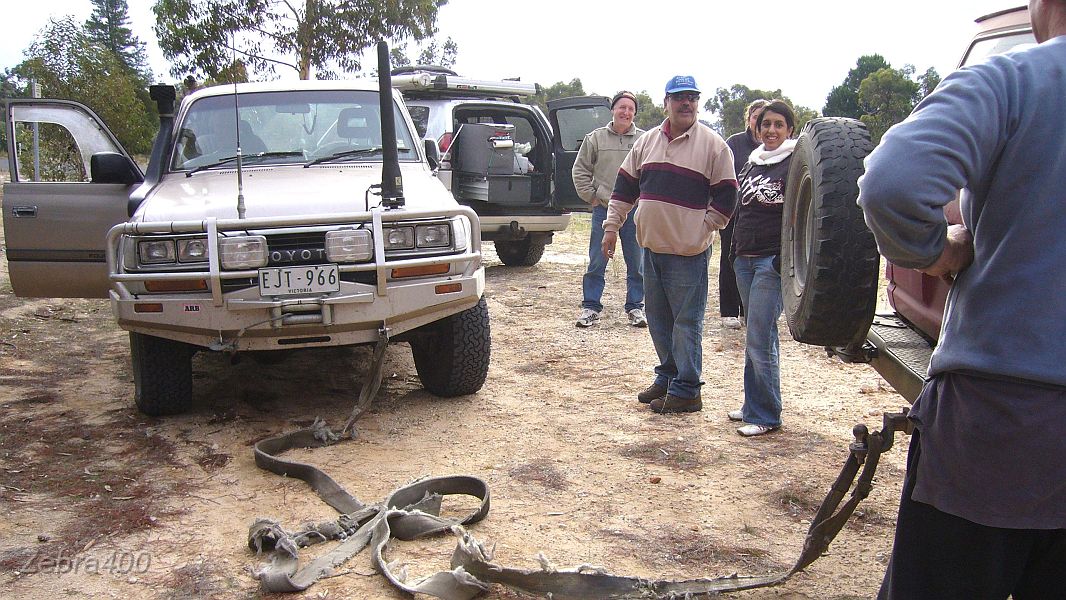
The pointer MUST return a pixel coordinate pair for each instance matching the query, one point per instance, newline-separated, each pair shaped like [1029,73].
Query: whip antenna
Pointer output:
[237,129]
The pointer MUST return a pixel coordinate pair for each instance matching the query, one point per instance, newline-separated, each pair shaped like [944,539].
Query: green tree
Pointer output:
[8,89]
[309,37]
[803,114]
[649,112]
[730,104]
[107,28]
[928,81]
[886,97]
[843,100]
[441,54]
[559,89]
[68,64]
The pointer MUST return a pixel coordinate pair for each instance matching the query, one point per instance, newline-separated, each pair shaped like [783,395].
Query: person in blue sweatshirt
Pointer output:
[983,511]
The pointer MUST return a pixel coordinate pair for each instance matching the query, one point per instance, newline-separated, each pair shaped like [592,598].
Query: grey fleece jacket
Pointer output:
[601,154]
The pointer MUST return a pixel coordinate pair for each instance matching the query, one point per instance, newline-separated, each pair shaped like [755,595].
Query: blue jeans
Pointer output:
[760,291]
[677,298]
[593,282]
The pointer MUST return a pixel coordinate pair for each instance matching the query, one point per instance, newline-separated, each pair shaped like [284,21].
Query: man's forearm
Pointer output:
[957,253]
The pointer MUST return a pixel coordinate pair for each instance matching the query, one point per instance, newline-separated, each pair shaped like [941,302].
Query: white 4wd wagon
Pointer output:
[272,216]
[503,158]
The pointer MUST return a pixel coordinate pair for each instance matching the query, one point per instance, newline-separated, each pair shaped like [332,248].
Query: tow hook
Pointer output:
[517,231]
[865,452]
[853,353]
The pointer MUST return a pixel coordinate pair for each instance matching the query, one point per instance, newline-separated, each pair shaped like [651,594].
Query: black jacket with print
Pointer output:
[757,231]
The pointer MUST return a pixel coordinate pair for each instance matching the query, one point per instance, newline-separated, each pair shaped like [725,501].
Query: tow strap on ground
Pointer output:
[413,511]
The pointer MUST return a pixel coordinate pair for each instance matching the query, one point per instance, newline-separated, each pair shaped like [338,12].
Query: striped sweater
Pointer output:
[684,190]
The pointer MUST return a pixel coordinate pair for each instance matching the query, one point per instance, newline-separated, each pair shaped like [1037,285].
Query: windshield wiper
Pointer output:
[229,159]
[344,154]
[217,163]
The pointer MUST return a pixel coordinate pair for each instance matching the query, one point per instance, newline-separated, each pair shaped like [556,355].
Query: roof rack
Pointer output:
[434,82]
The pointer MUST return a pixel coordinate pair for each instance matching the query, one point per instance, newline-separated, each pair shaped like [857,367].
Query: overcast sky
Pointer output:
[801,47]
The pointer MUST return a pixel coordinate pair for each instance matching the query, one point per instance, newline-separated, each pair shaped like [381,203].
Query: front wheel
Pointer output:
[162,374]
[452,355]
[521,253]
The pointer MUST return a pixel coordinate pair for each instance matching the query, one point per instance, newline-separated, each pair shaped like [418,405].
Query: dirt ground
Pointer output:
[97,500]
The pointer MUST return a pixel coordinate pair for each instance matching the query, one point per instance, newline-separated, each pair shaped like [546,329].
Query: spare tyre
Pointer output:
[525,252]
[829,259]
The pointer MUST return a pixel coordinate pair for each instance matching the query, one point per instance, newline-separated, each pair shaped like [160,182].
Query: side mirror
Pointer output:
[432,153]
[112,167]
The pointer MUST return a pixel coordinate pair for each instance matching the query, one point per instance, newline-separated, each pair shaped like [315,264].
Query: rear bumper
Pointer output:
[495,228]
[899,354]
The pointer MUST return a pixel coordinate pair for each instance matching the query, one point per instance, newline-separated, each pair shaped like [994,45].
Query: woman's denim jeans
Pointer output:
[760,291]
[675,290]
[593,282]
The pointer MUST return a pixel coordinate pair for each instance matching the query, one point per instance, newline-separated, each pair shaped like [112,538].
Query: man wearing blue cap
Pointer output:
[679,177]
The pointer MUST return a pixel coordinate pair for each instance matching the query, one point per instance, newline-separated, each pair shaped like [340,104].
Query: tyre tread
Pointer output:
[520,253]
[162,375]
[452,359]
[837,302]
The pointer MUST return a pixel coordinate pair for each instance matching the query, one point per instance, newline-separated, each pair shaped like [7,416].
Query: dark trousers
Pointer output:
[728,294]
[943,557]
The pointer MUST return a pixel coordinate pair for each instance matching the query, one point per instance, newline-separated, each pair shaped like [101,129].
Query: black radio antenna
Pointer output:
[237,128]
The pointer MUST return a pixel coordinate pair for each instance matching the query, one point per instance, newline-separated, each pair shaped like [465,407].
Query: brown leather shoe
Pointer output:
[673,404]
[654,392]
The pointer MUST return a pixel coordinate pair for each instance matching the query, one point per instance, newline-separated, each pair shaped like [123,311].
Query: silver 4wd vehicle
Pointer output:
[501,157]
[830,261]
[272,216]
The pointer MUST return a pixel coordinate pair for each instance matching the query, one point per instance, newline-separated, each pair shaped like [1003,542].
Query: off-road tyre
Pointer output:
[452,355]
[162,374]
[829,259]
[520,253]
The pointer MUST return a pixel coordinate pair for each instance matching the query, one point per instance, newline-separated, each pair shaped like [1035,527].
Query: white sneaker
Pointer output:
[637,318]
[588,318]
[736,415]
[750,430]
[732,323]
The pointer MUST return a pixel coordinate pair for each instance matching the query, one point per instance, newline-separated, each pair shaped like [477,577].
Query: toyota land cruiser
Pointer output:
[272,216]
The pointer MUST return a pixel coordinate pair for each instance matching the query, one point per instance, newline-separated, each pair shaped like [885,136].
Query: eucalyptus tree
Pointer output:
[310,37]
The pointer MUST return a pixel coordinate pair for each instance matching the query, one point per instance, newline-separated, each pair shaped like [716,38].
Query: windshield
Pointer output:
[983,48]
[286,127]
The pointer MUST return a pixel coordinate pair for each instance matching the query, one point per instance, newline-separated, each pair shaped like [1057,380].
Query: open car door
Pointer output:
[571,120]
[70,183]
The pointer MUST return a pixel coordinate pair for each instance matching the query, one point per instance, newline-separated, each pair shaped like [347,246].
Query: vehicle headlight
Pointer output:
[155,252]
[433,236]
[349,245]
[400,238]
[192,250]
[244,252]
[459,231]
